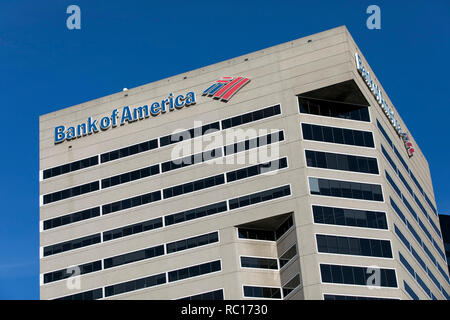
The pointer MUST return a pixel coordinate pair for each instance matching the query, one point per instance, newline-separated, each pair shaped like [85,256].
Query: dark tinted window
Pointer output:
[341,136]
[70,167]
[130,150]
[344,162]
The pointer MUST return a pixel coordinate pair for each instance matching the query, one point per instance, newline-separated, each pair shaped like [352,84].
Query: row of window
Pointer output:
[258,197]
[206,296]
[137,284]
[421,262]
[71,218]
[337,135]
[70,167]
[354,246]
[344,162]
[354,275]
[72,244]
[163,141]
[417,219]
[132,229]
[345,189]
[86,295]
[195,213]
[350,217]
[194,271]
[269,235]
[66,273]
[193,186]
[272,292]
[333,109]
[135,256]
[179,217]
[189,243]
[168,166]
[259,263]
[130,176]
[129,150]
[131,202]
[256,170]
[262,292]
[189,134]
[415,276]
[270,138]
[419,204]
[191,160]
[251,116]
[400,158]
[71,192]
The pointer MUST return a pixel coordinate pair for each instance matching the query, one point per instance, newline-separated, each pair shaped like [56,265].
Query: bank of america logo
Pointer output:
[225,87]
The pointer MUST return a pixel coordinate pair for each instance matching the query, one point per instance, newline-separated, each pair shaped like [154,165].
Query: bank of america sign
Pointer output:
[222,89]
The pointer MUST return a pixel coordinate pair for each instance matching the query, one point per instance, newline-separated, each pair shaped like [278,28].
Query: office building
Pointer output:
[286,173]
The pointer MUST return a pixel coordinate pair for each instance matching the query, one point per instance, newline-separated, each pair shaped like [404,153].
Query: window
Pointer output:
[133,256]
[130,176]
[288,255]
[194,271]
[189,134]
[71,218]
[262,292]
[193,186]
[192,242]
[251,116]
[256,169]
[254,143]
[87,295]
[344,189]
[410,291]
[343,162]
[349,217]
[291,285]
[71,192]
[133,285]
[132,229]
[212,295]
[340,135]
[285,226]
[255,234]
[67,272]
[354,246]
[196,213]
[131,202]
[260,197]
[72,244]
[130,150]
[259,263]
[334,109]
[191,160]
[355,275]
[70,167]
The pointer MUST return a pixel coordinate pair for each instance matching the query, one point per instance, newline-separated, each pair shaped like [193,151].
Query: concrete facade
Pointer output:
[278,74]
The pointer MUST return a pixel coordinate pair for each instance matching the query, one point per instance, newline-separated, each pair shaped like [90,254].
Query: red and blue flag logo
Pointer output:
[225,87]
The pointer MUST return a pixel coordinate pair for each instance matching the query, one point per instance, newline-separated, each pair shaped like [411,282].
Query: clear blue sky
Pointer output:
[45,67]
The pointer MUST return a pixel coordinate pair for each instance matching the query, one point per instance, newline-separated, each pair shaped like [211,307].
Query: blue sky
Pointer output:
[45,67]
